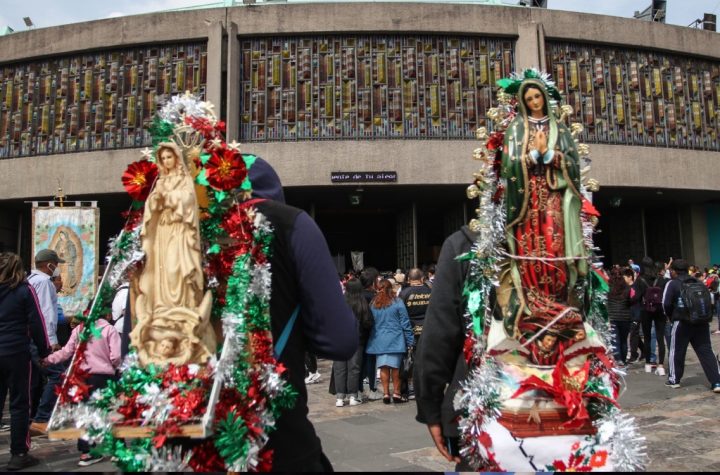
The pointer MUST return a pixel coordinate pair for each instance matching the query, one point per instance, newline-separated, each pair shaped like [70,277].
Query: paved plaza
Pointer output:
[681,427]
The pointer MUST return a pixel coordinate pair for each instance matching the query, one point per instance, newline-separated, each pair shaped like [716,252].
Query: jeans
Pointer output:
[15,371]
[654,321]
[347,375]
[367,370]
[54,374]
[621,330]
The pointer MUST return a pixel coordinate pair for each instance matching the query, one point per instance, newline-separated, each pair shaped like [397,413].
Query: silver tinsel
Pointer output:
[627,447]
[169,460]
[185,105]
[123,260]
[479,401]
[261,281]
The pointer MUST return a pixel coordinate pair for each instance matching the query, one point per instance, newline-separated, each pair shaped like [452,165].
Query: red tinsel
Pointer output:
[265,460]
[468,349]
[205,458]
[202,125]
[238,225]
[495,141]
[139,178]
[189,405]
[167,429]
[229,400]
[75,378]
[132,219]
[225,169]
[131,409]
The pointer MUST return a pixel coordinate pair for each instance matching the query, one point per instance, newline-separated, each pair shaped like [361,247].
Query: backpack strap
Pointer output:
[285,335]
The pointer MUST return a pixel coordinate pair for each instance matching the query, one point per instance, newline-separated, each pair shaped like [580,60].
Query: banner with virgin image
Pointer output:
[72,232]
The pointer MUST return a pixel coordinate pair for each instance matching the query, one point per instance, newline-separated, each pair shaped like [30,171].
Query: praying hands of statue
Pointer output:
[541,142]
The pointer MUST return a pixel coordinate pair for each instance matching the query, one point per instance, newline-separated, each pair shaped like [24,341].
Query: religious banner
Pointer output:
[72,232]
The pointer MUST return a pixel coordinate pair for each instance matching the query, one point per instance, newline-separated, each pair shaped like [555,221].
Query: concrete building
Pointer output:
[327,91]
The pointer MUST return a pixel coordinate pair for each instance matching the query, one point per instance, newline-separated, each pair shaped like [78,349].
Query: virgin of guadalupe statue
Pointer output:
[544,293]
[172,305]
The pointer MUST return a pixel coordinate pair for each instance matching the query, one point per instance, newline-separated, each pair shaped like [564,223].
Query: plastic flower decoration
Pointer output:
[139,178]
[225,169]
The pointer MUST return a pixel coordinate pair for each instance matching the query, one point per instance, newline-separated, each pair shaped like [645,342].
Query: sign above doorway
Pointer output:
[363,177]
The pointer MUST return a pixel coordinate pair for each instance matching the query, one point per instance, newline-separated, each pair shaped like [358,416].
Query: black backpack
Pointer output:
[696,299]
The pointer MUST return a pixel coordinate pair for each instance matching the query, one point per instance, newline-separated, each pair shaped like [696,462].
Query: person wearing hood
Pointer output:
[303,276]
[439,361]
[21,322]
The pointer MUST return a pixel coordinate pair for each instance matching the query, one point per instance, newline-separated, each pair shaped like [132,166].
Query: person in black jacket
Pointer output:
[684,332]
[439,358]
[20,321]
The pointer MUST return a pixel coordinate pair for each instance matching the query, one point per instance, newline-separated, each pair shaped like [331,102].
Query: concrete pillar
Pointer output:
[695,242]
[530,46]
[233,83]
[215,62]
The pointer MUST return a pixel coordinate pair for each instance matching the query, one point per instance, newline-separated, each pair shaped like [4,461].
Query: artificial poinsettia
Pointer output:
[225,169]
[567,389]
[138,179]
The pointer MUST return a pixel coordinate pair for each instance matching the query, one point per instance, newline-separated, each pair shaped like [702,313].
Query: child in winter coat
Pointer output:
[102,359]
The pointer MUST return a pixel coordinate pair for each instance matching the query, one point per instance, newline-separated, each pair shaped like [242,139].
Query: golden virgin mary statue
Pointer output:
[172,309]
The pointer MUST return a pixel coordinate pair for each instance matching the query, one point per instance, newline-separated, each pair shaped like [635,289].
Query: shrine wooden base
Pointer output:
[194,431]
[521,425]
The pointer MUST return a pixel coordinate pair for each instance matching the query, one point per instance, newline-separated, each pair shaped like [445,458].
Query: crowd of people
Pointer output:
[31,368]
[653,306]
[390,312]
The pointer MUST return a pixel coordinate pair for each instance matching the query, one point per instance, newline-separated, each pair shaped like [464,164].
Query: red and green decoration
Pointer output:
[237,240]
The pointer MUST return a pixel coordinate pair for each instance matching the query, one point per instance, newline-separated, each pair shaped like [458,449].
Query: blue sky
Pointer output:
[57,12]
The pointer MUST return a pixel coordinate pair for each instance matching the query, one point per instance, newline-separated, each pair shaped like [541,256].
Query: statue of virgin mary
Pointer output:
[172,307]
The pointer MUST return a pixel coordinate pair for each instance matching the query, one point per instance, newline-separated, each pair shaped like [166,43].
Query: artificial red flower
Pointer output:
[598,459]
[225,169]
[138,179]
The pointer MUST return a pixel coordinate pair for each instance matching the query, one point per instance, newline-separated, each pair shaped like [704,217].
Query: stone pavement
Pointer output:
[681,427]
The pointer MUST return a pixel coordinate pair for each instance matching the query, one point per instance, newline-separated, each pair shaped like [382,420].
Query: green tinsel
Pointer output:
[131,456]
[161,131]
[102,307]
[231,441]
[284,400]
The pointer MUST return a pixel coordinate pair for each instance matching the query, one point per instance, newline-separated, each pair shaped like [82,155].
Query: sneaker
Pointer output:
[38,428]
[716,332]
[312,378]
[86,460]
[4,427]
[375,395]
[716,388]
[672,385]
[20,461]
[649,368]
[339,403]
[660,371]
[354,401]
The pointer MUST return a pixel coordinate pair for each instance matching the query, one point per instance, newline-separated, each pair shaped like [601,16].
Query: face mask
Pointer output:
[55,272]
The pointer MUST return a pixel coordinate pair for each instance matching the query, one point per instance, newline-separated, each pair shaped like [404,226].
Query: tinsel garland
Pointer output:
[238,241]
[599,382]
